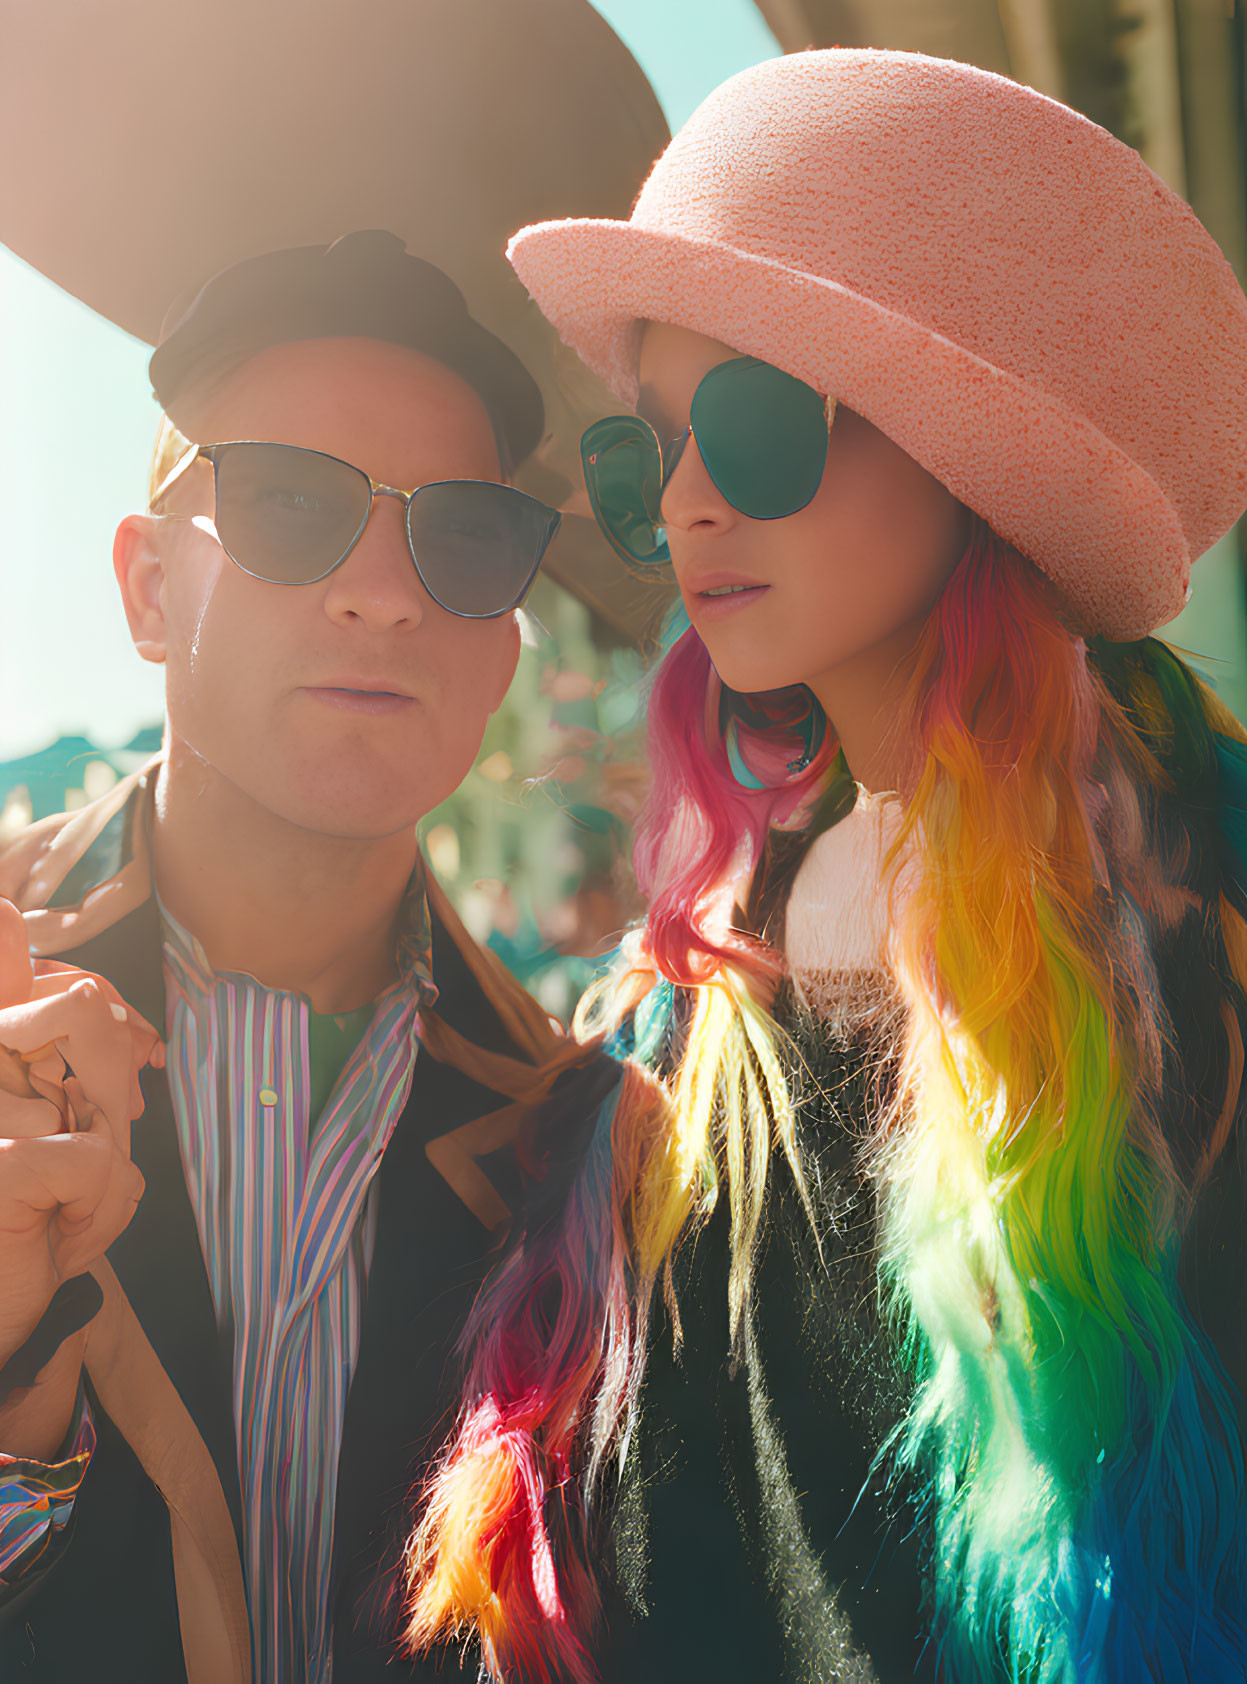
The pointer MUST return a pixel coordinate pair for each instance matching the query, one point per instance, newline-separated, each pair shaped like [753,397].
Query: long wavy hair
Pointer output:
[1070,1424]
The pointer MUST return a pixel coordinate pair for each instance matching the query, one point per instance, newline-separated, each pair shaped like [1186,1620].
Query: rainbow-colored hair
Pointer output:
[1072,1428]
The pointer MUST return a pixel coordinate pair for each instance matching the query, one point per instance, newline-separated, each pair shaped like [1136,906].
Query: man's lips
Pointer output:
[361,695]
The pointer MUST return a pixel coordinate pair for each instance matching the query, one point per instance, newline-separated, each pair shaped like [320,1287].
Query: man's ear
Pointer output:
[141,577]
[504,672]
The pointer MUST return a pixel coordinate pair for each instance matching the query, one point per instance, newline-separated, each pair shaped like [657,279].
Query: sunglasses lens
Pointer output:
[285,514]
[623,475]
[762,435]
[477,546]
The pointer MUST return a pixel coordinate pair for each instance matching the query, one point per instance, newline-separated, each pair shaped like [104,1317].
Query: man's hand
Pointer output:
[70,1055]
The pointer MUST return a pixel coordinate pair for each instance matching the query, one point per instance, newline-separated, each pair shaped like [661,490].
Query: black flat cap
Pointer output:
[364,285]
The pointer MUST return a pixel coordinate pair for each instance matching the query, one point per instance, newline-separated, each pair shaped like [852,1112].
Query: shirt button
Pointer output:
[268,1098]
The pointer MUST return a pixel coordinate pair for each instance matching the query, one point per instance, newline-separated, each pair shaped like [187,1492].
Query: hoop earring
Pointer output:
[811,728]
[735,759]
[813,731]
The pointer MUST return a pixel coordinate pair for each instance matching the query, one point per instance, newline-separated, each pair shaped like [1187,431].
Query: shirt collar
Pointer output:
[413,950]
[96,868]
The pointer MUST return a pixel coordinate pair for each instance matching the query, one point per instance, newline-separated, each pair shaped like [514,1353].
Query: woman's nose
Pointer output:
[690,497]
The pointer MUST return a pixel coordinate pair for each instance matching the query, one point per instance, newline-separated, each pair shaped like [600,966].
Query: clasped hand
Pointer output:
[70,1055]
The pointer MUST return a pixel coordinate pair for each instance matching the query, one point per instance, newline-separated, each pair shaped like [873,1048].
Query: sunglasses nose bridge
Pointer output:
[690,492]
[671,452]
[375,491]
[403,498]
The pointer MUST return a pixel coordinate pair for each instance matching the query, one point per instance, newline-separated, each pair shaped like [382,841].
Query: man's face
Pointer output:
[354,705]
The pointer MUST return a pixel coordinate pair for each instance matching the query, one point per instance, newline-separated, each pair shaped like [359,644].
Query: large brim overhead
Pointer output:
[149,143]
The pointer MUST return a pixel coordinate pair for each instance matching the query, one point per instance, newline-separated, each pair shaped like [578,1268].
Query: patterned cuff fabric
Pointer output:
[37,1498]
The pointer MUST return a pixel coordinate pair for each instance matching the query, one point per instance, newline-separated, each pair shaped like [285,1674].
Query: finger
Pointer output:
[14,1076]
[46,1077]
[73,1193]
[16,971]
[85,1117]
[82,1230]
[68,1195]
[81,1028]
[77,1241]
[82,1025]
[53,979]
[32,1117]
[60,1173]
[52,975]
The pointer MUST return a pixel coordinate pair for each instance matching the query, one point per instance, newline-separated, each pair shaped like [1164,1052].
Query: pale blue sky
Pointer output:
[77,422]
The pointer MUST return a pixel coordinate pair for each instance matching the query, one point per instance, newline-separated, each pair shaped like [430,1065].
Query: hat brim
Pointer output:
[1044,477]
[154,142]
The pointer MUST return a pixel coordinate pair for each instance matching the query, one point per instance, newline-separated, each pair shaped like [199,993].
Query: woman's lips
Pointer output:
[716,597]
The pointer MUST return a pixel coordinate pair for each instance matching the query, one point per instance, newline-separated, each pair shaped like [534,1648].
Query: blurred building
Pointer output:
[66,774]
[1165,76]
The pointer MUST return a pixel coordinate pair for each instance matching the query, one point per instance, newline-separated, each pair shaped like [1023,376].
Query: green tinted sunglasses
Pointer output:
[762,435]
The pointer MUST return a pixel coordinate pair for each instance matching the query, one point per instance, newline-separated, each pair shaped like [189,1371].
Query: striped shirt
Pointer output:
[282,1201]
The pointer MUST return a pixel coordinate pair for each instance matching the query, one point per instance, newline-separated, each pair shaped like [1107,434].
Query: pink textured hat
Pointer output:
[999,285]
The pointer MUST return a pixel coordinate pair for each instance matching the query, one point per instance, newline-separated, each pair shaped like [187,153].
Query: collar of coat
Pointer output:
[75,877]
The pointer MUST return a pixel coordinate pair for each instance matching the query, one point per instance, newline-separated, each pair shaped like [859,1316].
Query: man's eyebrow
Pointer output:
[650,407]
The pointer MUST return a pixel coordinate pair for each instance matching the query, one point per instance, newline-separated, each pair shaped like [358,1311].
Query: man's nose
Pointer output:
[377,585]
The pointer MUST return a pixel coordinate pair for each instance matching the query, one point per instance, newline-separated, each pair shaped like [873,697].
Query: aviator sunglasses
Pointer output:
[291,516]
[761,433]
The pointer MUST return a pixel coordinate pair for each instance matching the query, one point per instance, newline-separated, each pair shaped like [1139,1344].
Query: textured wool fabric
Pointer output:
[838,913]
[998,284]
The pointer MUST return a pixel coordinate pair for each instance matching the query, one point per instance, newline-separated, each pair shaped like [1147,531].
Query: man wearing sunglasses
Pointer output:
[327,573]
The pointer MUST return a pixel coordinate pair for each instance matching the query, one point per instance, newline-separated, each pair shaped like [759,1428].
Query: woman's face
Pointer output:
[841,587]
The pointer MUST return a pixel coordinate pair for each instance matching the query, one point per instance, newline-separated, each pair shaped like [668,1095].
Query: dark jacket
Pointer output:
[757,1536]
[102,1605]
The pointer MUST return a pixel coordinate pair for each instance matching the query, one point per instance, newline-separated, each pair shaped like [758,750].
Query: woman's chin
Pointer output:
[753,677]
[751,665]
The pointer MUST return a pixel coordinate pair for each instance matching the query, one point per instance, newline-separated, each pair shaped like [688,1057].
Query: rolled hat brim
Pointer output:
[1043,476]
